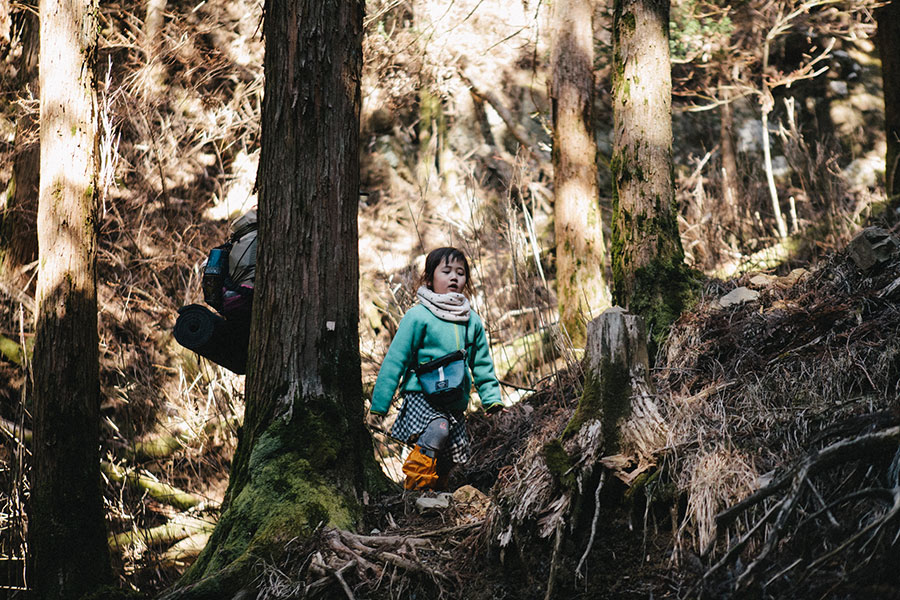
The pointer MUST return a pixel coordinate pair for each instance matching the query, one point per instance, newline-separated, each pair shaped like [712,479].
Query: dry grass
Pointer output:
[756,389]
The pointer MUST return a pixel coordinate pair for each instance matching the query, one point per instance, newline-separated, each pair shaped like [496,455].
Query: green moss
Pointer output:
[12,351]
[619,68]
[560,463]
[654,487]
[626,168]
[607,397]
[662,291]
[287,496]
[637,485]
[628,23]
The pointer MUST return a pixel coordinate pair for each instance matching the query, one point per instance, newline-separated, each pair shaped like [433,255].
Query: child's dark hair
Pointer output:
[436,257]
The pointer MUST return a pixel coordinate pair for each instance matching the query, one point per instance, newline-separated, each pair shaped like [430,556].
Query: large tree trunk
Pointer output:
[579,236]
[303,454]
[66,502]
[649,276]
[888,38]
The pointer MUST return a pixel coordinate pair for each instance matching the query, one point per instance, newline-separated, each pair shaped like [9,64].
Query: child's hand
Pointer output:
[492,409]
[375,420]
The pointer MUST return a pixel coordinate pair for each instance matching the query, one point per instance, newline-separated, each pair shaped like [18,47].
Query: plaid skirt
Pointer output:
[416,414]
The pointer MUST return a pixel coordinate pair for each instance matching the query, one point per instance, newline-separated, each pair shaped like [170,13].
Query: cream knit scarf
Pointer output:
[450,307]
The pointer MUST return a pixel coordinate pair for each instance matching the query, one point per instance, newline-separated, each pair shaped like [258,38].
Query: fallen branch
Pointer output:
[163,445]
[795,482]
[186,550]
[841,451]
[765,259]
[18,296]
[338,574]
[156,489]
[159,491]
[11,350]
[175,530]
[20,435]
[876,524]
[511,124]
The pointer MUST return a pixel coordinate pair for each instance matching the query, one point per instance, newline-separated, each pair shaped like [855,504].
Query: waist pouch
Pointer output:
[442,379]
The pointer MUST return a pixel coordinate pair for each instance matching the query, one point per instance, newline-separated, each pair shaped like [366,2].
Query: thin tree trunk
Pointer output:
[649,275]
[731,212]
[780,224]
[581,288]
[888,38]
[154,21]
[66,502]
[19,230]
[767,105]
[303,453]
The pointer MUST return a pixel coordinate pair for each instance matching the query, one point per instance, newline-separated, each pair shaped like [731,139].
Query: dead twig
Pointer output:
[841,451]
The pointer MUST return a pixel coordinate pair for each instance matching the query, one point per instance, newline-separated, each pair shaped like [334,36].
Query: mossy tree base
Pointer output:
[288,495]
[663,290]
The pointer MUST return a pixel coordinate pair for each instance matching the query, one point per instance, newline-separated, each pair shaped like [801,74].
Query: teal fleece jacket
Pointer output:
[434,338]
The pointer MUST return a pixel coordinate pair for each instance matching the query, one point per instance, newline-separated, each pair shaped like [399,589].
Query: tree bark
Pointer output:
[888,39]
[579,235]
[66,502]
[730,214]
[649,275]
[303,455]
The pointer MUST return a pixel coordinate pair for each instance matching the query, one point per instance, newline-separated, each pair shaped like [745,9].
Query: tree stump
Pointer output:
[617,424]
[618,420]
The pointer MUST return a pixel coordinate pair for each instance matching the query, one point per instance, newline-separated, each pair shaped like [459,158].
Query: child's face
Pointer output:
[449,277]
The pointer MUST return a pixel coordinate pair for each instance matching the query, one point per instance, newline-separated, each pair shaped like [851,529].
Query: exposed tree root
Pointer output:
[790,515]
[343,562]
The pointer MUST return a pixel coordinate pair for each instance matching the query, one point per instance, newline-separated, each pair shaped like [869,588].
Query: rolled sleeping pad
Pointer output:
[222,341]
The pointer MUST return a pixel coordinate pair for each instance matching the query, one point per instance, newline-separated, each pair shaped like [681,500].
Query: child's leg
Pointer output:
[420,467]
[444,466]
[435,436]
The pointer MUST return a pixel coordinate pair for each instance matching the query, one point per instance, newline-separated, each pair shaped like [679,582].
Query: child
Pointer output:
[442,323]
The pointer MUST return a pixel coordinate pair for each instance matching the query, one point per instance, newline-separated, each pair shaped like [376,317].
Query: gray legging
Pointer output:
[433,439]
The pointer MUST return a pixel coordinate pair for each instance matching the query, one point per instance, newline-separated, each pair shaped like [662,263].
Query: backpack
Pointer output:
[230,271]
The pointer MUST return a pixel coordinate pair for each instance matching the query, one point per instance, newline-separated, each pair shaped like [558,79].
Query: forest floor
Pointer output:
[783,404]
